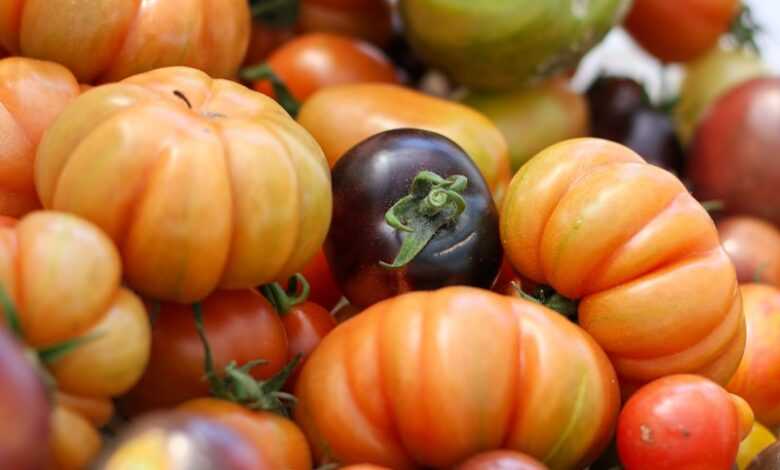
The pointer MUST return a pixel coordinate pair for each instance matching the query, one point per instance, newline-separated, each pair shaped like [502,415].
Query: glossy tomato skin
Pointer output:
[591,219]
[371,108]
[732,156]
[757,379]
[678,31]
[25,407]
[323,288]
[501,460]
[317,60]
[32,94]
[754,247]
[497,373]
[370,20]
[258,178]
[680,421]
[372,177]
[240,326]
[306,325]
[108,41]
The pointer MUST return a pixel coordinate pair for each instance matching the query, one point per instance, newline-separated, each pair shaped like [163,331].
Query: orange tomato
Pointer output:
[758,378]
[501,460]
[595,222]
[109,40]
[324,290]
[32,94]
[368,109]
[370,20]
[63,276]
[427,379]
[202,183]
[314,61]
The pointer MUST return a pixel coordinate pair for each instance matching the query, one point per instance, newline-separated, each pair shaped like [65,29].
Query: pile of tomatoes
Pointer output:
[371,235]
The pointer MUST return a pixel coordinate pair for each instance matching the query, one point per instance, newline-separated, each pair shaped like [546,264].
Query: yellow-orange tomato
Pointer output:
[201,183]
[595,222]
[368,109]
[428,379]
[109,40]
[758,378]
[63,276]
[32,94]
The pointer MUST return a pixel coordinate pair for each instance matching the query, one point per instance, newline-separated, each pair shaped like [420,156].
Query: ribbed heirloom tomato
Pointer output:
[428,379]
[32,94]
[201,183]
[62,276]
[591,219]
[109,40]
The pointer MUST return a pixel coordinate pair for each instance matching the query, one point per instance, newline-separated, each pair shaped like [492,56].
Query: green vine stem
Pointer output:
[432,203]
[283,94]
[283,300]
[744,30]
[237,384]
[278,13]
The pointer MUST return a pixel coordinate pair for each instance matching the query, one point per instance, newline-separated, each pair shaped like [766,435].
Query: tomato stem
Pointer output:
[744,29]
[284,300]
[547,297]
[182,97]
[432,203]
[263,72]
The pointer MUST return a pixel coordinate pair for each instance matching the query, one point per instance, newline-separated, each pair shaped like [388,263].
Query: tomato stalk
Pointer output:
[284,96]
[547,297]
[284,300]
[744,30]
[432,203]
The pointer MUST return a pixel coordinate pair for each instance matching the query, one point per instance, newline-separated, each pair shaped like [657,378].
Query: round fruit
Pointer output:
[754,247]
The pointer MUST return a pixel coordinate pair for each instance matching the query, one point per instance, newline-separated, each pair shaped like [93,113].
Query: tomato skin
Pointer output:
[108,41]
[280,201]
[370,20]
[680,421]
[264,39]
[757,379]
[314,61]
[678,31]
[501,460]
[32,94]
[324,290]
[429,341]
[306,325]
[754,247]
[595,222]
[240,326]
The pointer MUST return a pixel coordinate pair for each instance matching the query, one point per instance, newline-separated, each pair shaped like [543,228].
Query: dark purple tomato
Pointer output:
[768,459]
[445,226]
[24,409]
[735,154]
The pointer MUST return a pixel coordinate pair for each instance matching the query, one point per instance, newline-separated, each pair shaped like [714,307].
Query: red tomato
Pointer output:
[680,30]
[370,20]
[324,290]
[754,247]
[240,326]
[501,460]
[263,40]
[680,422]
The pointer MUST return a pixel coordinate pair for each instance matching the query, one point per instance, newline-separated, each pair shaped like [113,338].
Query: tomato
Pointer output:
[32,94]
[150,159]
[495,44]
[501,460]
[758,378]
[368,109]
[24,407]
[314,61]
[535,117]
[759,439]
[428,379]
[754,247]
[403,174]
[263,40]
[62,277]
[324,290]
[767,459]
[680,421]
[678,31]
[240,326]
[370,20]
[625,239]
[706,79]
[110,40]
[732,155]
[364,467]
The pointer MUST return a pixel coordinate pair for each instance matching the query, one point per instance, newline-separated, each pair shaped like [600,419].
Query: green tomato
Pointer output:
[500,44]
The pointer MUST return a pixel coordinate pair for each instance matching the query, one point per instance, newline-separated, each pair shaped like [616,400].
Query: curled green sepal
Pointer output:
[283,300]
[432,203]
[554,301]
[283,94]
[744,29]
[237,384]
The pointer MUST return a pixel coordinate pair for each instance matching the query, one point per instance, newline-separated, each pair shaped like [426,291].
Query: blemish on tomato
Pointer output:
[646,434]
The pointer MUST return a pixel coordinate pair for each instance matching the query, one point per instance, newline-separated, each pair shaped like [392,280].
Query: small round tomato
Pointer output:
[240,326]
[759,439]
[501,460]
[680,422]
[314,61]
[324,290]
[754,247]
[679,30]
[370,20]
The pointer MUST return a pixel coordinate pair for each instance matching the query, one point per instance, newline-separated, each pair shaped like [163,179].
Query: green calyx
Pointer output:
[744,30]
[278,13]
[284,96]
[283,300]
[547,297]
[237,385]
[432,203]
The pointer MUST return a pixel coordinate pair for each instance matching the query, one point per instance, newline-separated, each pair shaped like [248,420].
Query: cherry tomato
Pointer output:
[324,290]
[370,20]
[501,460]
[754,247]
[680,422]
[679,30]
